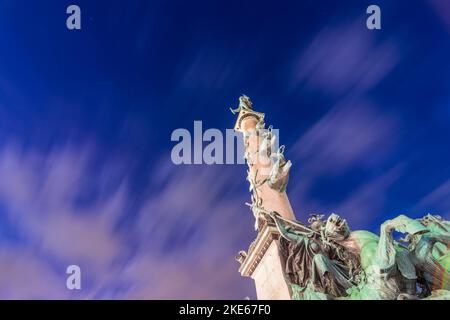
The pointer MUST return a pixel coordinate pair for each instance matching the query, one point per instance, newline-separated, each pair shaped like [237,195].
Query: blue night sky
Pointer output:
[86,118]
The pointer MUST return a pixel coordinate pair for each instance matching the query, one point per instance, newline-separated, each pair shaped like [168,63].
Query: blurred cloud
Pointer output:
[206,69]
[345,62]
[39,193]
[352,133]
[193,228]
[438,199]
[23,275]
[343,58]
[176,247]
[442,10]
[366,204]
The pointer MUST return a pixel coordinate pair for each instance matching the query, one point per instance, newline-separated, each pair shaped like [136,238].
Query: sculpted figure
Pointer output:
[279,175]
[244,104]
[431,257]
[326,260]
[437,225]
[261,125]
[342,264]
[268,140]
[390,270]
[315,267]
[387,270]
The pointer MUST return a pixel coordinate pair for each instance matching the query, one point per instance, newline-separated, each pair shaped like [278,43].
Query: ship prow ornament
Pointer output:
[245,110]
[325,259]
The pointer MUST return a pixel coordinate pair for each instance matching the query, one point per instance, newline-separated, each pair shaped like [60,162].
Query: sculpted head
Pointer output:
[336,228]
[430,219]
[245,103]
[316,223]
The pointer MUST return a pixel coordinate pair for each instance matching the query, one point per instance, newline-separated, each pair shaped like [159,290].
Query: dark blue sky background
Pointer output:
[86,118]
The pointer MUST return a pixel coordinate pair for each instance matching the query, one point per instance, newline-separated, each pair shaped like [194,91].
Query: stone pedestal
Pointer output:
[264,264]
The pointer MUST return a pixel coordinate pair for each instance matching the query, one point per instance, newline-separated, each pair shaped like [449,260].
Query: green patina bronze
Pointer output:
[328,261]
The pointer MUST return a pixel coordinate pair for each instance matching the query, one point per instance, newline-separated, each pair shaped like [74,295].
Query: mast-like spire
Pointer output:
[268,169]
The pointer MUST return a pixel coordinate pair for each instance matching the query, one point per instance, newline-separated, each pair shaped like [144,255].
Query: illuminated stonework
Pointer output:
[325,259]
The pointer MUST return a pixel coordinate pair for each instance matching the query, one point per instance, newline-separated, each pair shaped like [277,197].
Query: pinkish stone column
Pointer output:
[260,165]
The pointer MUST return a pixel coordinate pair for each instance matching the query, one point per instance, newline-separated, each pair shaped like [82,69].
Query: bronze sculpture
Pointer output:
[326,260]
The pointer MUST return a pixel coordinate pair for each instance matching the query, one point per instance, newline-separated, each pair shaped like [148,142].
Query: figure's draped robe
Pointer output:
[309,266]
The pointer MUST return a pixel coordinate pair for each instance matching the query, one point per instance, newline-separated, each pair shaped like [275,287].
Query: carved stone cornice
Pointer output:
[258,248]
[244,114]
